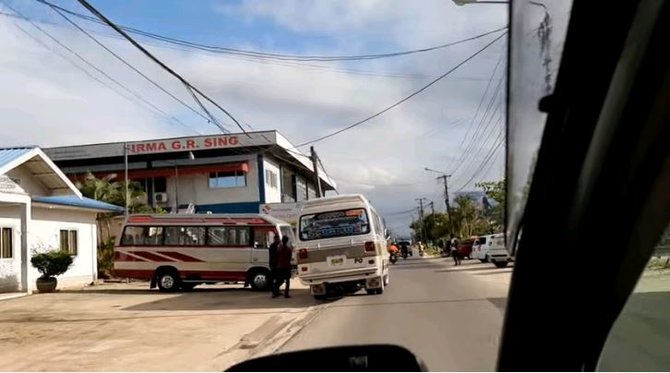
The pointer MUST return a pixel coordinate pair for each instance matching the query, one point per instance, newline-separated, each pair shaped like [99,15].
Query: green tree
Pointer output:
[495,190]
[106,190]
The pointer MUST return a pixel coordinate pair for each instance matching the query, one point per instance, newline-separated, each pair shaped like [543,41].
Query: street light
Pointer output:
[466,2]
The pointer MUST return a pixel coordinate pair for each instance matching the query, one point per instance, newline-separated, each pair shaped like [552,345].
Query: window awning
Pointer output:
[170,171]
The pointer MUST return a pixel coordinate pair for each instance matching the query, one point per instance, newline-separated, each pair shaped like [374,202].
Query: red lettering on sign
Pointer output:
[176,145]
[207,143]
[140,148]
[190,144]
[233,140]
[222,141]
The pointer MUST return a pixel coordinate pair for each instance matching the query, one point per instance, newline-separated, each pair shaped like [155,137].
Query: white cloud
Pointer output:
[45,101]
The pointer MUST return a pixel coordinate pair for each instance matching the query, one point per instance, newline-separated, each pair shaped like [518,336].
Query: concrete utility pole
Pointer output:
[432,207]
[315,160]
[125,181]
[423,228]
[446,191]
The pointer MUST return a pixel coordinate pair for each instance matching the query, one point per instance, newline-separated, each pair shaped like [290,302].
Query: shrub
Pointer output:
[106,258]
[52,263]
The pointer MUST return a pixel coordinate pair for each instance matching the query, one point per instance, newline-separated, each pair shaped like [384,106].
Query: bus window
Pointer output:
[263,237]
[142,236]
[229,236]
[184,236]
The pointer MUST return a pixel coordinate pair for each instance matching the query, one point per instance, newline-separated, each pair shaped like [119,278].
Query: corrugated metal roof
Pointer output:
[8,155]
[74,201]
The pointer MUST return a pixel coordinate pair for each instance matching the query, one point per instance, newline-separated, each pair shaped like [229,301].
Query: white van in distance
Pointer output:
[342,244]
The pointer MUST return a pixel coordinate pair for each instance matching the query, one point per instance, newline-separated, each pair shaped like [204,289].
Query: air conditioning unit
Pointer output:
[160,197]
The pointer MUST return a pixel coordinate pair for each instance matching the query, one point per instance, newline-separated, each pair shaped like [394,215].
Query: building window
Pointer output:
[227,179]
[6,247]
[271,178]
[160,185]
[68,241]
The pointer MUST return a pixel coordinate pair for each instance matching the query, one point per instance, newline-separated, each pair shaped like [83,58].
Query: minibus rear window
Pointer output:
[338,223]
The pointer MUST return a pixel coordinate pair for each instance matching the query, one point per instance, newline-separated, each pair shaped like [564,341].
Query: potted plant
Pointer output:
[50,264]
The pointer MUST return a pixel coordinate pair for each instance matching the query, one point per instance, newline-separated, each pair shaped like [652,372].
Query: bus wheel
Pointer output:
[259,280]
[168,280]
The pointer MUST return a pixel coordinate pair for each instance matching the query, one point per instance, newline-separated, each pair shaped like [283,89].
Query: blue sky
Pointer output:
[383,159]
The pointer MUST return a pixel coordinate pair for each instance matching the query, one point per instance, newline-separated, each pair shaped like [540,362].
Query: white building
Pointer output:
[226,173]
[41,209]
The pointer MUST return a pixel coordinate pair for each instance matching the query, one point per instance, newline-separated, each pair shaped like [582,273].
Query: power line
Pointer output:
[491,136]
[193,90]
[410,211]
[88,63]
[356,124]
[487,159]
[296,65]
[154,83]
[481,101]
[326,172]
[278,56]
[464,152]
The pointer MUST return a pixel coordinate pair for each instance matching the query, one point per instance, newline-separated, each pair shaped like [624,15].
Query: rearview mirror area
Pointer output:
[361,358]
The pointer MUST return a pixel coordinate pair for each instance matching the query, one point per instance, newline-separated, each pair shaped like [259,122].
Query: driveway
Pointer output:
[121,327]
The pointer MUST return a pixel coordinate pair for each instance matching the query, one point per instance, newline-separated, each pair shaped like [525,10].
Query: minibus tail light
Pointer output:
[369,246]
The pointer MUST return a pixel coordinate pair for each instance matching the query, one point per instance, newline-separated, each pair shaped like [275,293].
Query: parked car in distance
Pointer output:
[497,252]
[480,248]
[465,248]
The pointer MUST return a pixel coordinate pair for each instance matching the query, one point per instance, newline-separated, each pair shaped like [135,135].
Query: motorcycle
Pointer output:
[393,258]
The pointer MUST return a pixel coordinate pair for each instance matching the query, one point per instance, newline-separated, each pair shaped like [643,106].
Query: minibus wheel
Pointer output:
[259,279]
[168,280]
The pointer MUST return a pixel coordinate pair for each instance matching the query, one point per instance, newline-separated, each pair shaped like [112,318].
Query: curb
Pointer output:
[277,340]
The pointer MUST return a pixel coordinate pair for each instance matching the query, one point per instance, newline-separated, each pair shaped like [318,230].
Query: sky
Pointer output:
[46,101]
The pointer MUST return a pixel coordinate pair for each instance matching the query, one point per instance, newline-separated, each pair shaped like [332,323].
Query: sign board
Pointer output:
[179,144]
[288,212]
[7,185]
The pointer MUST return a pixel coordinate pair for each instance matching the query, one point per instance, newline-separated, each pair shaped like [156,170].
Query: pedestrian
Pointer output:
[272,254]
[454,250]
[284,255]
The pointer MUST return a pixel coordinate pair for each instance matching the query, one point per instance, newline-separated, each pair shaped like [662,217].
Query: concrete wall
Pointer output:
[195,188]
[28,182]
[45,231]
[272,194]
[10,269]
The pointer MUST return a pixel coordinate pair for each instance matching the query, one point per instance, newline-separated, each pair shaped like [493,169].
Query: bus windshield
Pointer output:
[334,224]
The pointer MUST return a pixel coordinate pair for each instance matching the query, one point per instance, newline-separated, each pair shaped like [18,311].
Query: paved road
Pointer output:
[450,317]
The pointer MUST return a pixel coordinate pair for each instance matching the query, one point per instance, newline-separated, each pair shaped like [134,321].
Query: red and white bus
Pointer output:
[180,251]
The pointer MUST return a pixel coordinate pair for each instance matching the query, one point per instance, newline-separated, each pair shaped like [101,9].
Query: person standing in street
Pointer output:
[454,250]
[284,255]
[272,256]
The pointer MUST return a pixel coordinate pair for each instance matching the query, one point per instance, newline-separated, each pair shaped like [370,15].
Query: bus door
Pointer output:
[233,247]
[263,237]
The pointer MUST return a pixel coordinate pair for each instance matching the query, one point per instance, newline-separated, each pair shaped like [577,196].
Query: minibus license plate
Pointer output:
[336,261]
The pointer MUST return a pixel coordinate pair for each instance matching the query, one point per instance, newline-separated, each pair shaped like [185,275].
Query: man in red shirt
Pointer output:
[284,255]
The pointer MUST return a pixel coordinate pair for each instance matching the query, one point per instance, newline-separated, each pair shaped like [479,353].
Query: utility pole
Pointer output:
[446,191]
[315,159]
[423,228]
[432,207]
[125,164]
